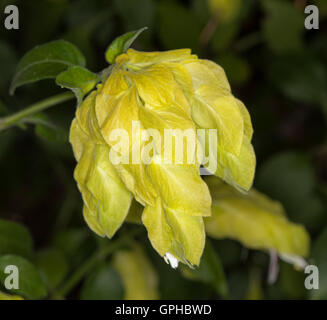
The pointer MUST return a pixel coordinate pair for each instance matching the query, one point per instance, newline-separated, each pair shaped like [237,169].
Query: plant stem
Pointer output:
[18,117]
[99,255]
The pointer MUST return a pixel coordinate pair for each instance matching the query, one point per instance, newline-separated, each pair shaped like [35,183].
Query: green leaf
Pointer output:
[75,243]
[52,265]
[283,27]
[46,61]
[104,283]
[176,286]
[210,271]
[121,44]
[79,80]
[300,78]
[290,178]
[31,285]
[238,283]
[15,239]
[229,252]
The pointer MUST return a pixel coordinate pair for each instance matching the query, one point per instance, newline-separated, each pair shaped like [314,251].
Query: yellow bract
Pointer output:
[4,296]
[138,276]
[255,220]
[173,92]
[106,199]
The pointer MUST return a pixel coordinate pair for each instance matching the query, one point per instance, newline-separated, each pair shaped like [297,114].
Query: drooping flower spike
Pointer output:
[160,91]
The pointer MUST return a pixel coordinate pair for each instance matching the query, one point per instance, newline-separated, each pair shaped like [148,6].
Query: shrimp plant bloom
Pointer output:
[119,139]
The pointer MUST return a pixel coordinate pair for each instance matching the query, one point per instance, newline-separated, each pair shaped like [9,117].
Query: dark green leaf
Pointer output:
[79,80]
[121,44]
[283,27]
[290,178]
[46,61]
[104,283]
[174,285]
[229,252]
[238,283]
[15,239]
[31,285]
[52,265]
[302,79]
[210,270]
[75,244]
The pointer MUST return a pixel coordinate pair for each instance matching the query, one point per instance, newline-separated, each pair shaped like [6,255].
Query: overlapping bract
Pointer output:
[256,221]
[159,90]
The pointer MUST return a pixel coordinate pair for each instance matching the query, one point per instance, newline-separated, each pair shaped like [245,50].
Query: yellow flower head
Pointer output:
[151,103]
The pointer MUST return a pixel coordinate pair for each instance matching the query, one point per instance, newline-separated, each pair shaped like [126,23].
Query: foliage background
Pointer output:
[275,66]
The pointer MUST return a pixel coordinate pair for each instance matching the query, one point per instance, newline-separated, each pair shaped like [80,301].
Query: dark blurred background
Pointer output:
[275,66]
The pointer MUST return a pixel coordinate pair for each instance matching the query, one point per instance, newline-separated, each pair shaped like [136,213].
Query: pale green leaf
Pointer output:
[15,239]
[79,80]
[46,61]
[121,44]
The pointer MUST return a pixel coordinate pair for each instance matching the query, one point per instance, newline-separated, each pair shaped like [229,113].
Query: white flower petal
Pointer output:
[170,259]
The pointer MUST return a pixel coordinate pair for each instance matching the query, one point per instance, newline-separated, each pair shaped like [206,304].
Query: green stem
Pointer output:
[89,264]
[18,117]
